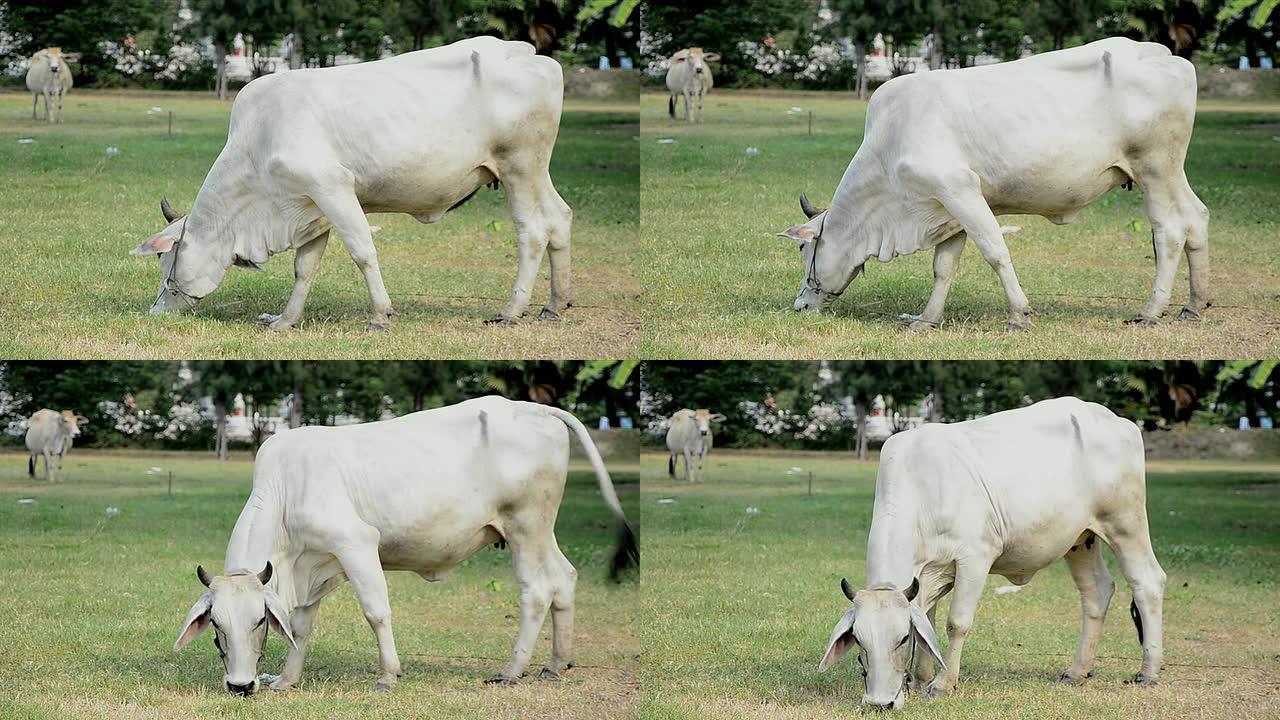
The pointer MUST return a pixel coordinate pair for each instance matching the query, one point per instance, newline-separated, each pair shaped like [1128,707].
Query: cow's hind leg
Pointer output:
[539,574]
[1197,250]
[970,209]
[559,221]
[306,265]
[562,608]
[348,218]
[1132,546]
[360,563]
[1170,227]
[946,260]
[524,194]
[1089,570]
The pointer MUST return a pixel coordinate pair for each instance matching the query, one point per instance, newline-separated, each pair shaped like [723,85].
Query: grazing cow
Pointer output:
[422,493]
[1006,494]
[690,436]
[1046,135]
[49,434]
[48,76]
[689,76]
[311,151]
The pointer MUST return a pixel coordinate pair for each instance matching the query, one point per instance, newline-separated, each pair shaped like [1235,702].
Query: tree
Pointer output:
[78,26]
[720,27]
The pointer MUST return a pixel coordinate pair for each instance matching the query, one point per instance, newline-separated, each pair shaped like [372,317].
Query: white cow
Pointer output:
[690,436]
[313,150]
[1006,494]
[50,77]
[49,434]
[422,493]
[689,76]
[1046,135]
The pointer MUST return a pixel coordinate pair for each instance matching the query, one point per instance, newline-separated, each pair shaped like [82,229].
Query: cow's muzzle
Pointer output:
[242,690]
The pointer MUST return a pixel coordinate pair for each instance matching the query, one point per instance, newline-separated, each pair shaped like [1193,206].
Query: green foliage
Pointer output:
[1262,10]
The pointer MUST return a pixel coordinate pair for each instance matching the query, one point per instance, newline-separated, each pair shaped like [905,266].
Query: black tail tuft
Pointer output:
[1137,618]
[627,555]
[31,466]
[671,466]
[671,106]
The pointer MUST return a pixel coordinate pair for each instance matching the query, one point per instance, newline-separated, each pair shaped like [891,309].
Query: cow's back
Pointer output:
[683,432]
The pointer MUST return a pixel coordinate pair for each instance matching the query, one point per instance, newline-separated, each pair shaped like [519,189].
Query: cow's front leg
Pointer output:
[688,105]
[531,244]
[48,466]
[301,621]
[970,578]
[688,465]
[348,218]
[970,209]
[946,260]
[926,668]
[364,571]
[306,265]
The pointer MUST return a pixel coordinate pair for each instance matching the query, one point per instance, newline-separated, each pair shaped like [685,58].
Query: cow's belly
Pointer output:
[435,546]
[1059,196]
[1035,548]
[425,196]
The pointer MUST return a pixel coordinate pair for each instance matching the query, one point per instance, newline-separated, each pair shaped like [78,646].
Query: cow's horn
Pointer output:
[169,213]
[848,591]
[265,575]
[204,576]
[808,208]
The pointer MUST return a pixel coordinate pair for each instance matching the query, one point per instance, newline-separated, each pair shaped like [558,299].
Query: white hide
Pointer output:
[1009,494]
[422,493]
[49,77]
[313,150]
[689,436]
[689,76]
[1046,135]
[49,435]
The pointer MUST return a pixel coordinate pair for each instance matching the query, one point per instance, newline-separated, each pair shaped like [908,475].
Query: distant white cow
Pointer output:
[418,133]
[1046,135]
[690,436]
[689,76]
[423,493]
[49,434]
[1006,494]
[48,76]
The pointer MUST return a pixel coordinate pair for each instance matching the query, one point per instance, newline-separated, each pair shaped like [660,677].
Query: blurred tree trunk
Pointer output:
[860,413]
[935,48]
[220,429]
[220,60]
[860,53]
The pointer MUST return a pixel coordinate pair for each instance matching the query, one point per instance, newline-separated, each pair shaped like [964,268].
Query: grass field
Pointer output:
[738,608]
[69,216]
[718,284]
[93,604]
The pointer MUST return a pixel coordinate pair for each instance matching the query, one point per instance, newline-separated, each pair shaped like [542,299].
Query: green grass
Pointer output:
[69,217]
[738,608]
[93,604]
[718,284]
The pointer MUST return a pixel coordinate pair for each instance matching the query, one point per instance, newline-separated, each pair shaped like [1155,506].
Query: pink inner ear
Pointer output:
[196,627]
[161,242]
[803,232]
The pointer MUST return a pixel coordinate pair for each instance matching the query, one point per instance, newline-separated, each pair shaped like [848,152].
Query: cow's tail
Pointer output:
[627,553]
[671,106]
[31,465]
[671,466]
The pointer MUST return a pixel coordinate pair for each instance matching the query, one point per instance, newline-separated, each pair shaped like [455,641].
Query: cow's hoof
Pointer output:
[1189,315]
[1069,679]
[501,321]
[934,692]
[280,686]
[276,322]
[1141,681]
[1017,326]
[1141,321]
[548,314]
[549,674]
[920,326]
[385,685]
[378,326]
[502,680]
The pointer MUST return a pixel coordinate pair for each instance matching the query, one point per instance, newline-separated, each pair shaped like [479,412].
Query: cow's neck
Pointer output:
[891,545]
[869,219]
[231,217]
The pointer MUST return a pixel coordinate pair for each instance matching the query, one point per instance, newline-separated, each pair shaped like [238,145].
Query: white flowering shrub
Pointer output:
[184,418]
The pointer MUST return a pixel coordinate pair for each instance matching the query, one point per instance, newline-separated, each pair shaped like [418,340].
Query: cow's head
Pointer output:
[188,270]
[240,608]
[704,417]
[695,58]
[55,59]
[828,269]
[886,627]
[71,422]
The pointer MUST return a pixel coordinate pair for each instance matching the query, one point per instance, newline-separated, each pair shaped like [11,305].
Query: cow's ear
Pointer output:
[800,233]
[278,617]
[161,242]
[717,417]
[842,640]
[197,621]
[923,631]
[711,57]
